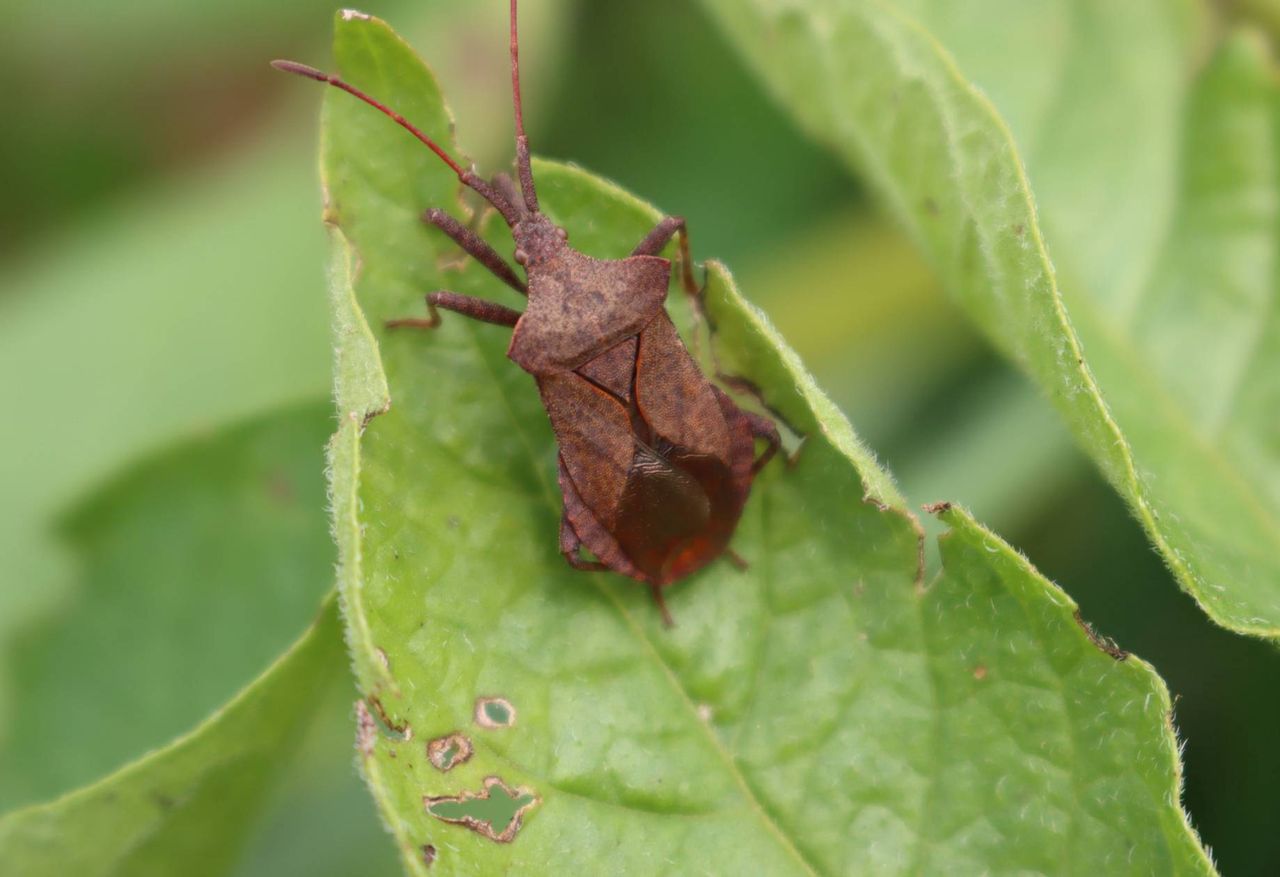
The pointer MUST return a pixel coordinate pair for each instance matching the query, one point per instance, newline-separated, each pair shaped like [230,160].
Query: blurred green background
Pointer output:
[162,299]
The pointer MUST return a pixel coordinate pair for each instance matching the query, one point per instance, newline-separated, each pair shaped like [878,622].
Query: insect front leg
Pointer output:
[661,235]
[476,247]
[475,308]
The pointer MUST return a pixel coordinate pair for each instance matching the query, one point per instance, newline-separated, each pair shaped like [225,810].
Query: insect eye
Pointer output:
[521,257]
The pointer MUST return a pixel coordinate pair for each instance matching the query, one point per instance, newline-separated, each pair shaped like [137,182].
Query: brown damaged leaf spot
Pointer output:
[366,730]
[401,729]
[980,672]
[497,812]
[494,712]
[1104,643]
[880,505]
[363,420]
[447,752]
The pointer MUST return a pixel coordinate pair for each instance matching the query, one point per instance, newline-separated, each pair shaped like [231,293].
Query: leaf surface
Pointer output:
[1154,328]
[822,713]
[185,806]
[194,569]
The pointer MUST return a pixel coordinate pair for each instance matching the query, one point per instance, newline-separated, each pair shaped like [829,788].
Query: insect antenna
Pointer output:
[467,177]
[523,167]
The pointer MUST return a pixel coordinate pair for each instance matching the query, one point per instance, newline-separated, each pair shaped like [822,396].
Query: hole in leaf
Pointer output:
[448,752]
[494,712]
[496,812]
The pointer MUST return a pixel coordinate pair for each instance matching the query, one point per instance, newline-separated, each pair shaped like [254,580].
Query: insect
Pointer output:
[655,461]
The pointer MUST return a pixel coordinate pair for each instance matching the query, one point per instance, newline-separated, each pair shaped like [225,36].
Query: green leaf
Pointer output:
[195,569]
[822,713]
[1159,208]
[182,807]
[319,821]
[114,345]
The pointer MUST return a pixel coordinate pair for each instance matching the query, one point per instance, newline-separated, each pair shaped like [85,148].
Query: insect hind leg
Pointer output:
[656,590]
[659,237]
[571,548]
[763,428]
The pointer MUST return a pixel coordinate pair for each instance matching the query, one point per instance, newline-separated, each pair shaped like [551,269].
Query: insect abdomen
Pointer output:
[677,512]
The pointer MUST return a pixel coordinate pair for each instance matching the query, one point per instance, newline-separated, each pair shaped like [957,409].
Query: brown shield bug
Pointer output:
[656,462]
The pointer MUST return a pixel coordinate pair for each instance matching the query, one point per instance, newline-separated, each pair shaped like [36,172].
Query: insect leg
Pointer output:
[606,548]
[475,308]
[586,529]
[476,247]
[763,428]
[661,235]
[570,545]
[656,590]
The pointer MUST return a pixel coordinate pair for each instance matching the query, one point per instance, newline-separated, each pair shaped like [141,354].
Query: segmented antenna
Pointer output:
[523,166]
[467,177]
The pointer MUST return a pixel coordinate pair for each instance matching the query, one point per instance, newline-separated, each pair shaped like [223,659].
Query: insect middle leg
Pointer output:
[476,247]
[475,308]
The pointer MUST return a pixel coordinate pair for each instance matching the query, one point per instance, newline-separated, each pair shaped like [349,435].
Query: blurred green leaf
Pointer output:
[1160,209]
[823,712]
[194,570]
[873,325]
[320,822]
[185,807]
[1265,13]
[197,567]
[854,296]
[193,307]
[210,276]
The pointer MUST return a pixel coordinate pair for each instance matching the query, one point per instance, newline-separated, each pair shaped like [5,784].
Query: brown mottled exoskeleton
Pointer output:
[655,461]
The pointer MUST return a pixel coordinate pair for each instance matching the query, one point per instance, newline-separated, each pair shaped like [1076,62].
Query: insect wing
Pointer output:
[674,397]
[595,438]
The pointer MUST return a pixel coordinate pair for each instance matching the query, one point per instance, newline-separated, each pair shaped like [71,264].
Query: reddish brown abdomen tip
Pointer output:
[301,70]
